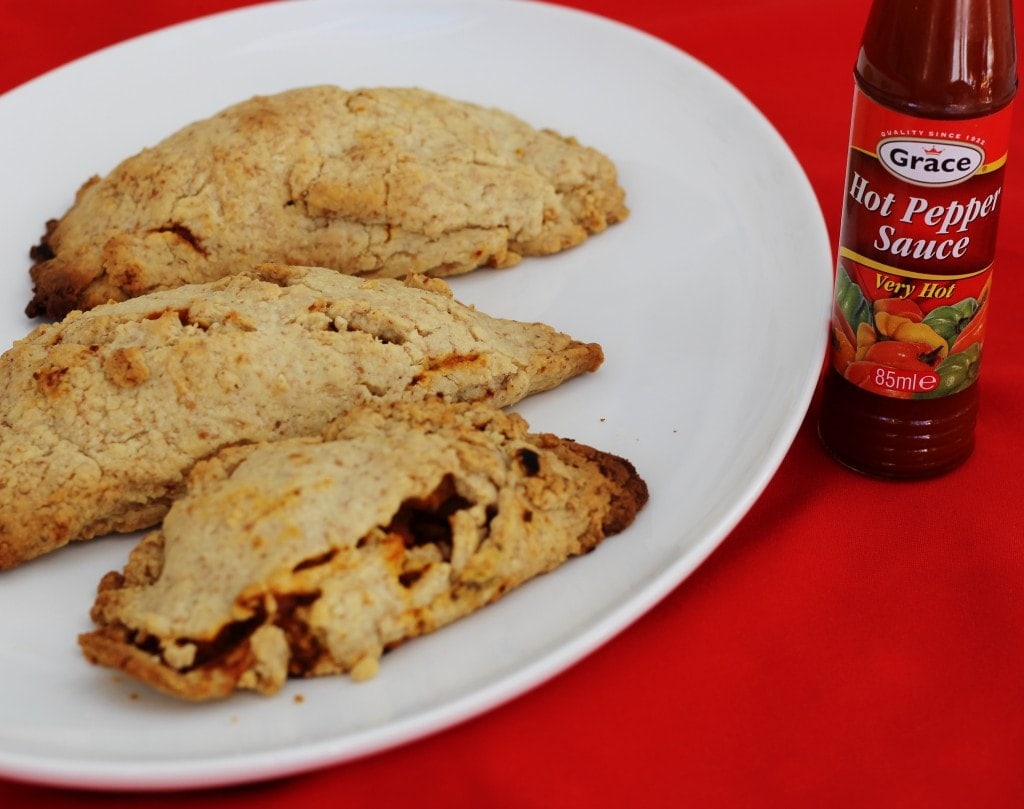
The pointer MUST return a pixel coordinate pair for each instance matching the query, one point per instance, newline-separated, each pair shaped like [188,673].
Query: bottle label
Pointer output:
[916,250]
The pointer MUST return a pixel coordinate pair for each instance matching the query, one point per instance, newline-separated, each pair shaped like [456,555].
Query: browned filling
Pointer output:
[427,520]
[305,648]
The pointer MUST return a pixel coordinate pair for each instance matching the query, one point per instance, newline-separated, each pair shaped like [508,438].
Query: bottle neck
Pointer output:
[939,58]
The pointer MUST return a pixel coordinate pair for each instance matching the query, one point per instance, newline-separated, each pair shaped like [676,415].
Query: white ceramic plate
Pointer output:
[711,302]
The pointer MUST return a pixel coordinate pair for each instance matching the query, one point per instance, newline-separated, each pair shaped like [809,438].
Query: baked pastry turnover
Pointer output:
[314,556]
[375,182]
[103,415]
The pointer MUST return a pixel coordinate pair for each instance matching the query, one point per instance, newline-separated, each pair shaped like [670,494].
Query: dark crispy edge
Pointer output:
[630,490]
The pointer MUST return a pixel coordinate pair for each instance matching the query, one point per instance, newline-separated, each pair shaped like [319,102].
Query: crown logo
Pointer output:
[933,150]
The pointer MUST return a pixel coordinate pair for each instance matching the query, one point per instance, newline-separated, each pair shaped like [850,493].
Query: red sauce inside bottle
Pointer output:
[942,60]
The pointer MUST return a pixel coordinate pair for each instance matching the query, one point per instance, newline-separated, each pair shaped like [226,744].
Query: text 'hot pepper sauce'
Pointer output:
[931,121]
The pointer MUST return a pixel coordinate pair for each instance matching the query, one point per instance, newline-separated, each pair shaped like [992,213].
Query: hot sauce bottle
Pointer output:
[934,82]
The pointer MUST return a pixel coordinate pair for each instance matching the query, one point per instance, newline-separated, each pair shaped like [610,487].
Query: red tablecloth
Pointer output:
[852,642]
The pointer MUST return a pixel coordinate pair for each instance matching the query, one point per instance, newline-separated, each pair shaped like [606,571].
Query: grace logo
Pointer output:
[930,162]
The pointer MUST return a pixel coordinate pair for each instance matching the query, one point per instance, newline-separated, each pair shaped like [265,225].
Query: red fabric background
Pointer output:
[852,643]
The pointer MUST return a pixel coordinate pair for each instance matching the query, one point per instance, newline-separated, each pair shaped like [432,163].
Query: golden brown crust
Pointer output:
[315,556]
[103,415]
[376,182]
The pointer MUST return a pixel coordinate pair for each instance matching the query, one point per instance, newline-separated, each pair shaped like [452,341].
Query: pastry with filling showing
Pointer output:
[315,556]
